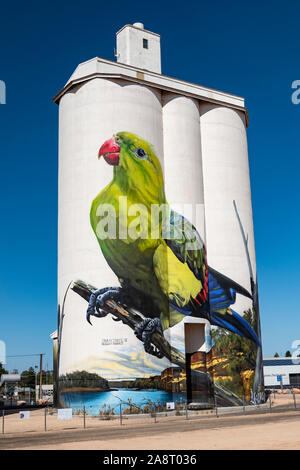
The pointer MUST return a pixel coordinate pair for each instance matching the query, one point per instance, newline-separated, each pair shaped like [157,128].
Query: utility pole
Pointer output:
[41,375]
[35,383]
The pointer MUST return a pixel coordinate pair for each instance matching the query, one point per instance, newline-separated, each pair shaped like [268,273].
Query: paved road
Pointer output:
[144,429]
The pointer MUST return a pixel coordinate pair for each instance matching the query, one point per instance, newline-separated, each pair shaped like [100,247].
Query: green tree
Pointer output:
[276,354]
[288,354]
[2,370]
[240,353]
[83,379]
[47,377]
[28,378]
[147,383]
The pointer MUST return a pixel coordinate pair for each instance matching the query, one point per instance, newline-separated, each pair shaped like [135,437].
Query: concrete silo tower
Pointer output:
[199,137]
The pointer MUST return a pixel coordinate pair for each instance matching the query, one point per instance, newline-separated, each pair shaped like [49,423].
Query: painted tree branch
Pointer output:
[258,395]
[132,318]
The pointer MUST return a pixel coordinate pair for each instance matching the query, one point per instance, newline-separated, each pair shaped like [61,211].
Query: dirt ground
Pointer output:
[279,429]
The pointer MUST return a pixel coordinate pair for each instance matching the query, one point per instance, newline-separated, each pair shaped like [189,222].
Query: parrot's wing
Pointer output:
[186,244]
[180,264]
[194,288]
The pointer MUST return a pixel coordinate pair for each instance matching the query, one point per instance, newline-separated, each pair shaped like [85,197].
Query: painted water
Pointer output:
[101,401]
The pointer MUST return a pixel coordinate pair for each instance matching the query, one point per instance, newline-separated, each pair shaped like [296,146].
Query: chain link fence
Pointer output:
[126,414]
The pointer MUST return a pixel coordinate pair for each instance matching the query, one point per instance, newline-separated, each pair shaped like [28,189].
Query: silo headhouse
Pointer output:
[157,286]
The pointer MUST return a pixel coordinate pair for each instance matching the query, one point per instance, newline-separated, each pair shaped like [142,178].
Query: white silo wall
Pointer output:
[182,150]
[88,115]
[183,171]
[226,178]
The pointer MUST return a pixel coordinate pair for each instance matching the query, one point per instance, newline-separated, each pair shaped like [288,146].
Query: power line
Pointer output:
[26,355]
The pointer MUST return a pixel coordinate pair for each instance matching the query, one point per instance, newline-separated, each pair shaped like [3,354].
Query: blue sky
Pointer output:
[251,50]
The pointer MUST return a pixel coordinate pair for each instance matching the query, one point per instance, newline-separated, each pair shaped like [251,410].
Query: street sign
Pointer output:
[170,405]
[64,413]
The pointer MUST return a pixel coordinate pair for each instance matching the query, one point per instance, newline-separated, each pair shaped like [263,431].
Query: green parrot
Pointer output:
[164,277]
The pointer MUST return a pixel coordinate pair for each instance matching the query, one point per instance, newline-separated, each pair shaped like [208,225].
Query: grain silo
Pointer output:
[193,293]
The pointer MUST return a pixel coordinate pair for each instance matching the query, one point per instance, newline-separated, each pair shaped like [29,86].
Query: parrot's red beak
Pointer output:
[110,151]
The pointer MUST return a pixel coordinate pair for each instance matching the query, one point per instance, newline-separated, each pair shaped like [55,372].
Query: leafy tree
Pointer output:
[83,379]
[288,354]
[47,377]
[239,353]
[276,354]
[28,378]
[2,370]
[147,383]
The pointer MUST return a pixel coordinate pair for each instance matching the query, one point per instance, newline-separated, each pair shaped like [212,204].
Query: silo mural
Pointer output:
[153,305]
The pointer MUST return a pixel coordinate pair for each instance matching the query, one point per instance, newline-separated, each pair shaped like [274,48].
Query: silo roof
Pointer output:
[103,68]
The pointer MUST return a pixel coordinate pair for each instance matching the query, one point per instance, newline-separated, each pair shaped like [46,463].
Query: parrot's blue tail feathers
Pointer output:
[221,296]
[232,321]
[226,283]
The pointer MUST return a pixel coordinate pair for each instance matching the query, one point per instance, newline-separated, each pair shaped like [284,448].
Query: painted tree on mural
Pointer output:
[83,379]
[239,358]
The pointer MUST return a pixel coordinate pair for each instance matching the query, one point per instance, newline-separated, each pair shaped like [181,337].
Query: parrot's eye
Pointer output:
[140,153]
[117,139]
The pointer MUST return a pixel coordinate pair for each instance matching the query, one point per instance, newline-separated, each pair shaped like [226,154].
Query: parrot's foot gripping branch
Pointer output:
[98,299]
[144,331]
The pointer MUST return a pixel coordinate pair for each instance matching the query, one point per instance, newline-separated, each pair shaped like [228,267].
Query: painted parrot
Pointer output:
[165,278]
